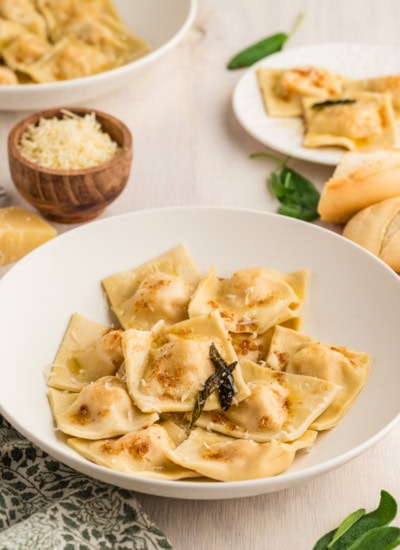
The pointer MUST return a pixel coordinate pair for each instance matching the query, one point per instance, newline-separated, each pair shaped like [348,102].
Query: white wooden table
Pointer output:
[190,150]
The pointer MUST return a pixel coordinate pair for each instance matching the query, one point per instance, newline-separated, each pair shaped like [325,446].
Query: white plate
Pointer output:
[354,300]
[161,23]
[285,135]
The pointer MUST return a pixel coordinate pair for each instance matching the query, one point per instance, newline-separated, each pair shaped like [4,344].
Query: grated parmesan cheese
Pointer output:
[71,143]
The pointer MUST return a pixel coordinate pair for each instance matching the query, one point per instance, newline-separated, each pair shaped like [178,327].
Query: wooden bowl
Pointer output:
[71,196]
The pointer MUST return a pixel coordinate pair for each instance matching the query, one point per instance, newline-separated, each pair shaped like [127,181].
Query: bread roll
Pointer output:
[359,180]
[377,228]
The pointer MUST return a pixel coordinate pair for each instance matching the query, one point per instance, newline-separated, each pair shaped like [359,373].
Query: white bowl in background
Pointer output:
[159,22]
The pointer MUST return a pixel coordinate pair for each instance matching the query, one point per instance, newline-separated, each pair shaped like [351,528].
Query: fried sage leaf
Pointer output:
[226,388]
[221,380]
[332,102]
[360,531]
[297,195]
[262,48]
[210,386]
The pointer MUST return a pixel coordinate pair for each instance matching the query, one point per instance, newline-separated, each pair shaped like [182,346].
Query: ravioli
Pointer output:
[7,76]
[225,458]
[59,401]
[165,373]
[142,452]
[110,37]
[359,121]
[389,84]
[56,40]
[88,351]
[69,58]
[99,42]
[23,50]
[24,12]
[60,15]
[282,89]
[19,47]
[102,409]
[254,347]
[281,406]
[294,352]
[251,300]
[158,289]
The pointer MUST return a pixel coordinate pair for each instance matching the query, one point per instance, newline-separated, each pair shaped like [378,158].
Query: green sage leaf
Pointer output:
[332,103]
[262,48]
[386,511]
[322,543]
[297,195]
[378,538]
[346,524]
[383,515]
[221,380]
[353,531]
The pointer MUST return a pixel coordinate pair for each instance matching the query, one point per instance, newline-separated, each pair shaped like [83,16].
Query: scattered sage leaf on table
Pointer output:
[346,524]
[360,531]
[297,195]
[378,538]
[262,48]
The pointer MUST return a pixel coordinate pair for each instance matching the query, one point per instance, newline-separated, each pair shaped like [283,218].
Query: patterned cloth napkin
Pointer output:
[45,505]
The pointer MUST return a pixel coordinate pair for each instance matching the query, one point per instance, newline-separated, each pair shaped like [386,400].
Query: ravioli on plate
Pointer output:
[283,89]
[359,121]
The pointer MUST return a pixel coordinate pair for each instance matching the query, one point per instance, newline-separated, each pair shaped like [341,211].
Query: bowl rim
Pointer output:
[15,134]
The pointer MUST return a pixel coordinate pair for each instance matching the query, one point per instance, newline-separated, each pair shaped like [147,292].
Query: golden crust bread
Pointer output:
[360,180]
[377,228]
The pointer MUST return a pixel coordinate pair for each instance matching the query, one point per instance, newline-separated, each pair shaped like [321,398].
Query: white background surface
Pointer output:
[190,150]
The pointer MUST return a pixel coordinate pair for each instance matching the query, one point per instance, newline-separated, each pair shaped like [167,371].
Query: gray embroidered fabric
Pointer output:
[45,505]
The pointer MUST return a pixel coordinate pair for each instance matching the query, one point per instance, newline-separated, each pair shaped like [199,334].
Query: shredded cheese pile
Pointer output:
[70,143]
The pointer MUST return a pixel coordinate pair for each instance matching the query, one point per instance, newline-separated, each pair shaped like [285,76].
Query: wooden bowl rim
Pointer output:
[16,132]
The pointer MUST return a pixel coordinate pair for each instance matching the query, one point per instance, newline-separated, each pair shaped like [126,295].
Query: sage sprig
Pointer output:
[361,531]
[297,195]
[267,46]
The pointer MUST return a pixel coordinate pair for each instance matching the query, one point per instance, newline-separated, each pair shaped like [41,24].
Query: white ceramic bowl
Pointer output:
[160,23]
[353,300]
